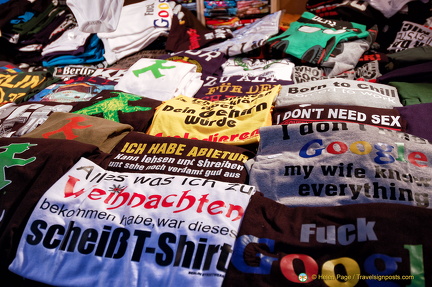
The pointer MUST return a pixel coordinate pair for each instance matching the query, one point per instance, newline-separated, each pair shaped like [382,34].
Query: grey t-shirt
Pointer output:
[336,163]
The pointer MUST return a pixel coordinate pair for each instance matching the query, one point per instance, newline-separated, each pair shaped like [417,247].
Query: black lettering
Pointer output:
[49,242]
[165,259]
[88,241]
[119,238]
[38,235]
[187,258]
[139,246]
[226,250]
[100,250]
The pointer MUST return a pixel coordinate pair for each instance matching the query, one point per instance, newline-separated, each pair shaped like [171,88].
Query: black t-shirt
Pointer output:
[139,152]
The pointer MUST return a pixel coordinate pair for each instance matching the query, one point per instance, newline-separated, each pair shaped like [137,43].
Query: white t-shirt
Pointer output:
[139,25]
[97,228]
[94,16]
[160,79]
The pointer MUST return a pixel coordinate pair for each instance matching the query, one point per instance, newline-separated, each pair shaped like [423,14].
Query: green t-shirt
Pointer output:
[413,93]
[313,39]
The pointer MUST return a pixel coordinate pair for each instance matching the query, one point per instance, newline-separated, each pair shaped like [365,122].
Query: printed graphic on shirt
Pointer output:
[17,120]
[386,118]
[12,69]
[233,121]
[307,73]
[167,228]
[97,131]
[109,74]
[67,130]
[313,39]
[16,87]
[366,72]
[336,163]
[72,71]
[160,79]
[120,107]
[110,108]
[224,87]
[343,246]
[340,92]
[9,157]
[411,35]
[278,69]
[155,69]
[207,62]
[139,152]
[76,89]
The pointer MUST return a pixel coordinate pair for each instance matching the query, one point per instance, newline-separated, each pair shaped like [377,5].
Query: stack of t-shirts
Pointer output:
[250,37]
[93,53]
[411,50]
[139,25]
[188,33]
[410,71]
[71,42]
[334,44]
[33,30]
[387,15]
[12,9]
[323,9]
[160,79]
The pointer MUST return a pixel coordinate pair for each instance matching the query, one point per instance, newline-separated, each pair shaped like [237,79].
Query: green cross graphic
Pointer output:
[110,108]
[154,69]
[8,159]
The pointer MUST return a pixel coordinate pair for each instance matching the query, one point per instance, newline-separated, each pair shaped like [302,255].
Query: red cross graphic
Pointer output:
[68,128]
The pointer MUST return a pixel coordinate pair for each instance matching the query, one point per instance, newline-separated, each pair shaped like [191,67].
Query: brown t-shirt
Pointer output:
[28,167]
[103,133]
